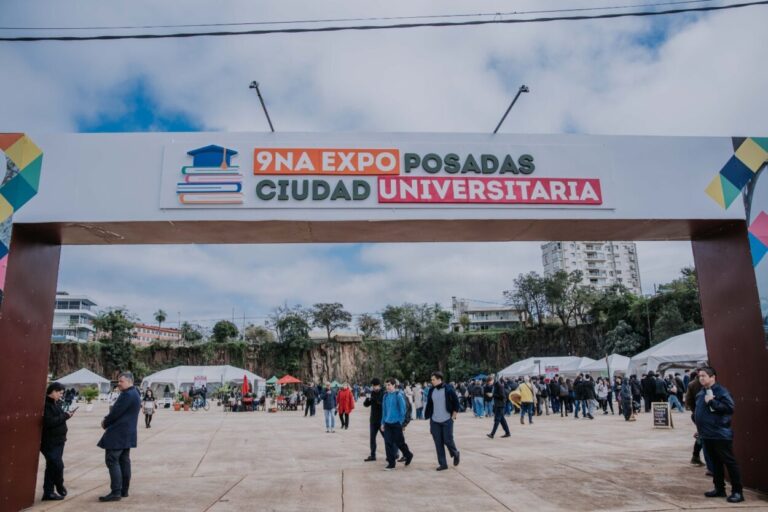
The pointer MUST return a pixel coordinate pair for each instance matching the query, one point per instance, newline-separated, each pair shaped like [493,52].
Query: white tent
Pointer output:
[685,350]
[565,365]
[616,363]
[83,378]
[182,378]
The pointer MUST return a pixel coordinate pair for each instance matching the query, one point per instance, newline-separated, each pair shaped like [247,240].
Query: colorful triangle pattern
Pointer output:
[17,191]
[750,156]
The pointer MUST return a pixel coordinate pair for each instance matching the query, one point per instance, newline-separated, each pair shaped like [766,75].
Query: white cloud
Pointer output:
[705,78]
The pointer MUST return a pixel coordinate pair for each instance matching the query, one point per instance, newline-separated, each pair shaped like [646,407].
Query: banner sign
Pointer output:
[550,371]
[200,381]
[390,175]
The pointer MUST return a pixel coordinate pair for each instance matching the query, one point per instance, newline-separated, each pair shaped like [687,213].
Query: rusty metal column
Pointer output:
[25,343]
[733,326]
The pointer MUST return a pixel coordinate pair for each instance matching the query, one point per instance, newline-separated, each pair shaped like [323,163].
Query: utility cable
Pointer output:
[381,27]
[348,20]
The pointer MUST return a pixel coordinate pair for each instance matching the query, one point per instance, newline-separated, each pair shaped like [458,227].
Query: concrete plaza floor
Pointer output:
[201,461]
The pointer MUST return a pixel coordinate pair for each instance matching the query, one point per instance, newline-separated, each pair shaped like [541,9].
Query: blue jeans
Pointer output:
[419,413]
[488,409]
[442,435]
[526,408]
[330,419]
[478,406]
[675,403]
[555,404]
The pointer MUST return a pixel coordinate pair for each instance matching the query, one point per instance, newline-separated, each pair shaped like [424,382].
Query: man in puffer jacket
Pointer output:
[714,410]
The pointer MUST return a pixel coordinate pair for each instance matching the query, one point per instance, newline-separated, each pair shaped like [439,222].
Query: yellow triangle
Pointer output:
[752,155]
[22,152]
[6,210]
[715,191]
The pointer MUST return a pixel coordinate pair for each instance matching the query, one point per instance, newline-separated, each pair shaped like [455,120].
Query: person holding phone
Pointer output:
[52,442]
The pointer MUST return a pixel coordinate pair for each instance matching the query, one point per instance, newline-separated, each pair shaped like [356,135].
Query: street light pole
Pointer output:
[255,85]
[522,89]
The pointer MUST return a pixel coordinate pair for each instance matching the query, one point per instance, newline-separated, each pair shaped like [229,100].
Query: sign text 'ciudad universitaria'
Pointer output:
[301,177]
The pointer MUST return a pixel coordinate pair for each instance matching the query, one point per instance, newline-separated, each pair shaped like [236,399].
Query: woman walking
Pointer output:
[602,394]
[418,402]
[148,405]
[346,402]
[52,442]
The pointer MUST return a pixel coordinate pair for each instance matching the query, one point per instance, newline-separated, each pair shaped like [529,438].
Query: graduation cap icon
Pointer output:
[212,156]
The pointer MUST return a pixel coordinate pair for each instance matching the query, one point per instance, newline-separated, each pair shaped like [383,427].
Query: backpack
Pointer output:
[661,388]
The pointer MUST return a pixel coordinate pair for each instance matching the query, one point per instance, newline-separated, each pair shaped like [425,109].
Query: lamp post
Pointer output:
[538,362]
[522,89]
[255,85]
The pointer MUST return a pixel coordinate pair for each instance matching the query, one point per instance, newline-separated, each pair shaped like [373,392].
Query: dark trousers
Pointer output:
[442,435]
[344,417]
[394,441]
[498,419]
[375,430]
[54,468]
[720,453]
[555,404]
[626,408]
[147,420]
[119,465]
[309,407]
[647,402]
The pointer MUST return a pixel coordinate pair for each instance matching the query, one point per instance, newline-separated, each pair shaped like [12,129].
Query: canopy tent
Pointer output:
[563,365]
[84,378]
[683,351]
[288,379]
[335,384]
[272,380]
[614,363]
[480,376]
[182,378]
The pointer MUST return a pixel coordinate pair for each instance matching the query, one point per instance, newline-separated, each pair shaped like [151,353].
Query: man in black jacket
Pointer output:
[441,410]
[499,402]
[52,442]
[310,394]
[648,385]
[374,402]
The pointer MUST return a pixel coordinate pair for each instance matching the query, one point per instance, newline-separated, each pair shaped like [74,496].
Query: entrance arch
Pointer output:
[136,189]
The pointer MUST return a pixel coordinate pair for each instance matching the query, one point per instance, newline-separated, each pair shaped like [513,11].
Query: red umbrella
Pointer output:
[288,379]
[245,385]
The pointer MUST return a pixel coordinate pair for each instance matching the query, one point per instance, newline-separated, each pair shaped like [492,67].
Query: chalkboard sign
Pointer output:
[662,415]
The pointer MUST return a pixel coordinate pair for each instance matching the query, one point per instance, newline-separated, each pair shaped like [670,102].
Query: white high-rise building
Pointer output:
[601,263]
[73,318]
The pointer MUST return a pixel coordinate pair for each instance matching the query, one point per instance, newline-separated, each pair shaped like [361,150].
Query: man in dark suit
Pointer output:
[120,436]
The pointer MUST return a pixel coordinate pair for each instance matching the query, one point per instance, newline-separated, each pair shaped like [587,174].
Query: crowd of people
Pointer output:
[393,406]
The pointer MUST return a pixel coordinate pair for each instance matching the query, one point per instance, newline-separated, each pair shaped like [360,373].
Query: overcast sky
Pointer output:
[676,75]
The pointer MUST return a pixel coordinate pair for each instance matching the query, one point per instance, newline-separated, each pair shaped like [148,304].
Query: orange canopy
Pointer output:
[288,379]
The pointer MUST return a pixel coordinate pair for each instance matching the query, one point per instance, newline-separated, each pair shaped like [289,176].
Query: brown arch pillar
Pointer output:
[25,343]
[730,308]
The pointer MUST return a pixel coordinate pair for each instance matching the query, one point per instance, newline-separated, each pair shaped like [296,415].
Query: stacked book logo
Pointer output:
[211,179]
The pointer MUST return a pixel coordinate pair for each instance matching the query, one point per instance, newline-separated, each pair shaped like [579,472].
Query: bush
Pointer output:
[89,394]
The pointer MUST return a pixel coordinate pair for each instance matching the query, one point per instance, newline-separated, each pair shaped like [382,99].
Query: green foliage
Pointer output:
[670,323]
[257,334]
[330,316]
[160,317]
[369,325]
[224,331]
[622,340]
[115,326]
[89,394]
[190,334]
[529,294]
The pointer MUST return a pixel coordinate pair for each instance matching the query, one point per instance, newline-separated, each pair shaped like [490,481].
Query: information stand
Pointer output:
[662,415]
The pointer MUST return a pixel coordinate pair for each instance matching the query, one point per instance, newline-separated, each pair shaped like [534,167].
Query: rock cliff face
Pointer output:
[323,362]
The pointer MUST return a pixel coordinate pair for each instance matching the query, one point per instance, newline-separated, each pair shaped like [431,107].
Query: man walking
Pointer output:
[476,392]
[442,406]
[310,394]
[329,408]
[374,401]
[714,410]
[499,404]
[393,411]
[120,436]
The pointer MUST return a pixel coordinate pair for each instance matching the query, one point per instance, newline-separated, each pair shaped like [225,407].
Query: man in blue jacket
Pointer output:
[442,406]
[392,419]
[714,410]
[120,436]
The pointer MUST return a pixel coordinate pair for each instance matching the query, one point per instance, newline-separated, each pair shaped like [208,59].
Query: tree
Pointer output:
[257,334]
[190,334]
[670,323]
[330,316]
[622,340]
[160,317]
[224,331]
[529,294]
[562,292]
[115,327]
[393,320]
[369,325]
[464,322]
[278,315]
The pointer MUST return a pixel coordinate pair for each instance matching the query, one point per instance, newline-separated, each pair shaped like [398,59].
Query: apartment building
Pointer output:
[483,317]
[602,263]
[73,318]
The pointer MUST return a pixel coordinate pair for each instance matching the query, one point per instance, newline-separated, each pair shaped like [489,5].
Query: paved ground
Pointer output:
[197,461]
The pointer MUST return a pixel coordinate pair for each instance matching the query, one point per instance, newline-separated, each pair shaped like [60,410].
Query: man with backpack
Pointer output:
[393,410]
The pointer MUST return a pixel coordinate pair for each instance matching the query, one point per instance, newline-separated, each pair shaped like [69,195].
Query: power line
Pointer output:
[347,20]
[381,27]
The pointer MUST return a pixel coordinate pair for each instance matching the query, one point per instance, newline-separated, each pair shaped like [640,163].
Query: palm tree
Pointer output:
[160,316]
